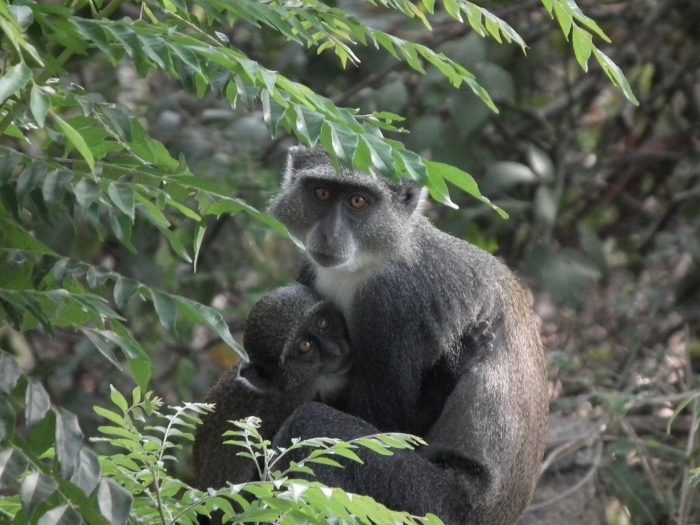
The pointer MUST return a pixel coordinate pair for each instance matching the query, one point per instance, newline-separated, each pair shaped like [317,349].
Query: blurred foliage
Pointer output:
[115,183]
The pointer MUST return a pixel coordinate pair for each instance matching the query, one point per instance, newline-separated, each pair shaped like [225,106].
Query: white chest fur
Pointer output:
[340,283]
[338,286]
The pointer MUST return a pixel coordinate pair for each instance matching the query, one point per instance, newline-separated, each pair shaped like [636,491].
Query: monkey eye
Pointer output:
[358,202]
[321,322]
[322,194]
[305,346]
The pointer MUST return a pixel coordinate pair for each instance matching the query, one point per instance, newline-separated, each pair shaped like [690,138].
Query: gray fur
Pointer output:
[275,382]
[408,312]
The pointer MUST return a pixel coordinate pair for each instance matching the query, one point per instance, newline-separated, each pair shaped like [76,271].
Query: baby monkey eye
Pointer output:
[321,322]
[322,194]
[306,346]
[358,202]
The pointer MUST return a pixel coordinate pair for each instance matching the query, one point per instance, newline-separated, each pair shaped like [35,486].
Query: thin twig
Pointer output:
[686,502]
[643,460]
[580,483]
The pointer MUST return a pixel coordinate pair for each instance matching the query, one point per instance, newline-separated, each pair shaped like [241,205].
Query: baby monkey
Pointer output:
[299,351]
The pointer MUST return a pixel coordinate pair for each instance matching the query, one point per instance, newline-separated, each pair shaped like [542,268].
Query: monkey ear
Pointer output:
[411,197]
[300,158]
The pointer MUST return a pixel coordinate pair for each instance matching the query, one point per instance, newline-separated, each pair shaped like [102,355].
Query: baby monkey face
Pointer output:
[317,357]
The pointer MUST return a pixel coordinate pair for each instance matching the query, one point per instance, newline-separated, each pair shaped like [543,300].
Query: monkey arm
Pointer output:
[476,343]
[492,426]
[406,480]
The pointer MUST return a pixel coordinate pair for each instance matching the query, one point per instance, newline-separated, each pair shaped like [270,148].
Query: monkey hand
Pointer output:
[479,337]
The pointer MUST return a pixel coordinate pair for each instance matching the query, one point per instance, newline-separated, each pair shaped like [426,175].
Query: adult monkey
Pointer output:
[409,293]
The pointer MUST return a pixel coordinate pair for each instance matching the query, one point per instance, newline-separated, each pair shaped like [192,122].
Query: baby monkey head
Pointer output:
[298,343]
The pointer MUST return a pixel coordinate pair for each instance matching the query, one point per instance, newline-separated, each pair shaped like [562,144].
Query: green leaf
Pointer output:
[339,141]
[14,236]
[583,46]
[7,421]
[139,362]
[176,244]
[564,18]
[23,15]
[142,370]
[308,125]
[615,74]
[124,289]
[325,461]
[36,403]
[62,515]
[35,488]
[452,8]
[122,228]
[197,245]
[55,184]
[69,441]
[12,465]
[76,140]
[346,452]
[151,212]
[114,502]
[122,195]
[438,190]
[118,399]
[86,192]
[39,104]
[87,474]
[41,437]
[212,318]
[109,415]
[14,80]
[463,181]
[102,346]
[166,308]
[9,373]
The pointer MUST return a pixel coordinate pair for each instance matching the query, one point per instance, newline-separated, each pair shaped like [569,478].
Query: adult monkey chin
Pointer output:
[410,293]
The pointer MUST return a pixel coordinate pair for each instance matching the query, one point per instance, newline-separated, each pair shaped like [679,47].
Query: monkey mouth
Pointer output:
[327,260]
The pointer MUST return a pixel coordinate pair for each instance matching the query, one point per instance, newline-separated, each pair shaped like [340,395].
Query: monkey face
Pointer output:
[346,219]
[317,358]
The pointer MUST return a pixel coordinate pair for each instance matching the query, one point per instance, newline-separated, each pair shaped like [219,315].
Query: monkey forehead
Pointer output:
[323,306]
[317,164]
[277,314]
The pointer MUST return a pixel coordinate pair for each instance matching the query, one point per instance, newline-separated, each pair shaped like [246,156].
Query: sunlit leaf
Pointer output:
[76,140]
[39,104]
[87,474]
[583,46]
[12,465]
[14,80]
[62,515]
[35,488]
[122,195]
[36,402]
[114,502]
[9,373]
[166,308]
[69,440]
